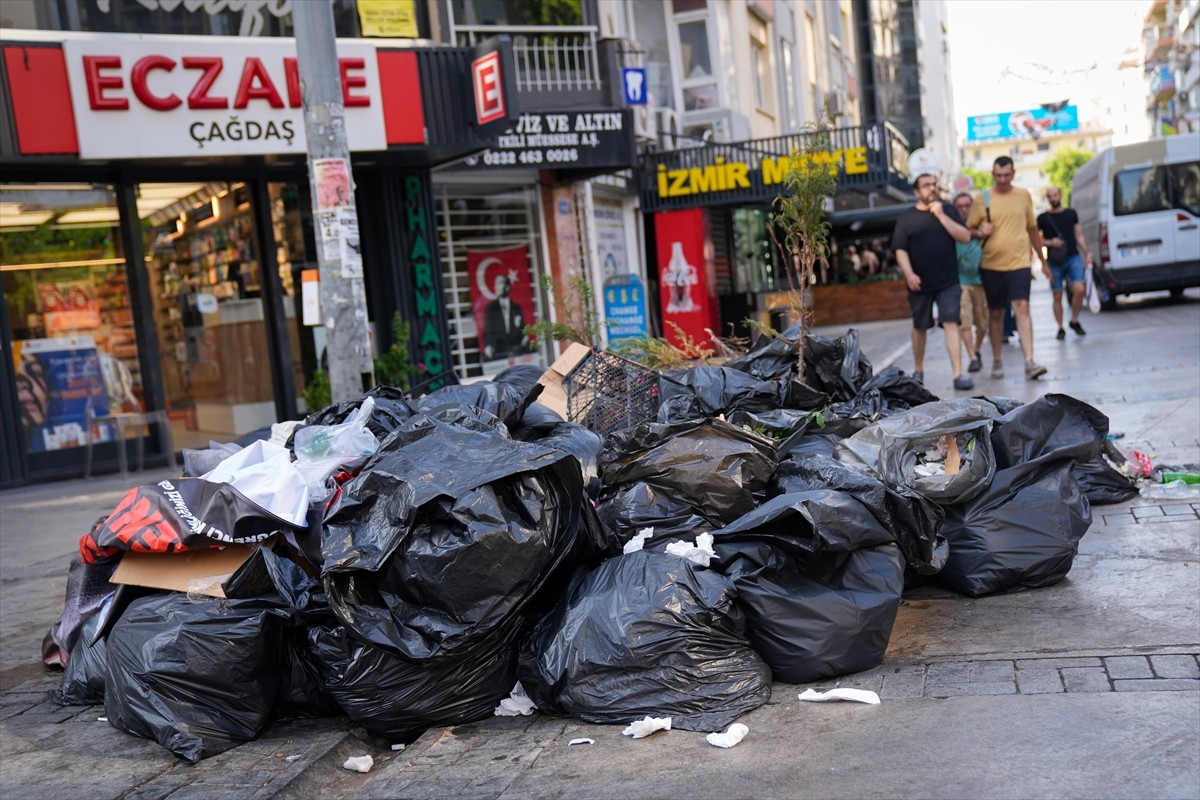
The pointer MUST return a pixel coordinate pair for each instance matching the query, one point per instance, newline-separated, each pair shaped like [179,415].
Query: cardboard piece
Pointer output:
[953,459]
[201,571]
[553,395]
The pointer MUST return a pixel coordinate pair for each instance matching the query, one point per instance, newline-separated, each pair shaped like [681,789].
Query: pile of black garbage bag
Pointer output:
[761,528]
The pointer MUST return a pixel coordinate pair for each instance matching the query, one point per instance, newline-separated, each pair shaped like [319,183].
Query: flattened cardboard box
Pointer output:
[201,571]
[553,395]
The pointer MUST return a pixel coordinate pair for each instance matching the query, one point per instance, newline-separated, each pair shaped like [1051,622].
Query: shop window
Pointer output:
[69,316]
[488,233]
[206,287]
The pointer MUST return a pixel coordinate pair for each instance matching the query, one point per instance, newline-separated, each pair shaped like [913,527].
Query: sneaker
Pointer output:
[976,364]
[1075,326]
[998,370]
[1033,371]
[1062,334]
[919,376]
[963,383]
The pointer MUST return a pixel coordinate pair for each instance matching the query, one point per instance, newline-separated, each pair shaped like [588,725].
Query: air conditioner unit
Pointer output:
[835,102]
[668,128]
[644,123]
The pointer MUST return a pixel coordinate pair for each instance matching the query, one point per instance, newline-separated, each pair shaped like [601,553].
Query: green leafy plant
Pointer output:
[578,320]
[800,214]
[394,367]
[318,393]
[982,180]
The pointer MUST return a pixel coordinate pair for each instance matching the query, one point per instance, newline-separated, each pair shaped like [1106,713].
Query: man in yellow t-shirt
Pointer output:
[1006,220]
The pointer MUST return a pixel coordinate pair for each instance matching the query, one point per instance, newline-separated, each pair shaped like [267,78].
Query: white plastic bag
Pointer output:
[264,473]
[1092,292]
[321,450]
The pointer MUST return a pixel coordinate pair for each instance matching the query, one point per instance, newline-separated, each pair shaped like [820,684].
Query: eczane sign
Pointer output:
[168,97]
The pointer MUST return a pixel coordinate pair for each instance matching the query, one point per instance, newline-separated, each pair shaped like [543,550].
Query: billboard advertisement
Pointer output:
[1019,124]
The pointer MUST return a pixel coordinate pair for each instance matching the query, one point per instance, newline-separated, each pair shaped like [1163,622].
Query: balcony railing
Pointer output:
[555,59]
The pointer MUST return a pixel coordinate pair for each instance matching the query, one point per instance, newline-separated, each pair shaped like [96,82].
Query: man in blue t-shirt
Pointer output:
[924,241]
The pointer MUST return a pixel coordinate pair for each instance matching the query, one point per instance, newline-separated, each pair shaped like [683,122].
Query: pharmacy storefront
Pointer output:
[156,231]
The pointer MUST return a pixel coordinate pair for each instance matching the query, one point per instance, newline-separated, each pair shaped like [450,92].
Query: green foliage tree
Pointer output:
[576,309]
[800,215]
[983,180]
[1061,166]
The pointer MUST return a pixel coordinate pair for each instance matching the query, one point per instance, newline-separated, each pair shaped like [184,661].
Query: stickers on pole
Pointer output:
[310,296]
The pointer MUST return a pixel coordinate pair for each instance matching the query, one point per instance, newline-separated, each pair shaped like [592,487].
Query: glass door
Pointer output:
[70,325]
[204,273]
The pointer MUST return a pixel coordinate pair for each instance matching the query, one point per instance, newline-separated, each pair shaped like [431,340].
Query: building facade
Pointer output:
[1171,38]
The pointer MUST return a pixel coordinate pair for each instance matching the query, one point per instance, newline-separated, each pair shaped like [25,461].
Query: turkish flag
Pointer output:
[501,300]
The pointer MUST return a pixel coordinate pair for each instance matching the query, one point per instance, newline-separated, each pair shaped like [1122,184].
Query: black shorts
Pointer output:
[947,301]
[1002,288]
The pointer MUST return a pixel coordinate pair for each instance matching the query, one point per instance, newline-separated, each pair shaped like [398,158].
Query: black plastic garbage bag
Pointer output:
[83,679]
[889,392]
[770,359]
[819,581]
[398,698]
[198,677]
[576,440]
[523,377]
[1024,530]
[448,531]
[88,588]
[505,400]
[536,419]
[910,449]
[391,409]
[835,366]
[785,425]
[1103,484]
[699,392]
[913,520]
[710,469]
[646,634]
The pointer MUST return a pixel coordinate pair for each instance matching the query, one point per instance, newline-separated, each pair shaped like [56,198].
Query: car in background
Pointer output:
[1139,208]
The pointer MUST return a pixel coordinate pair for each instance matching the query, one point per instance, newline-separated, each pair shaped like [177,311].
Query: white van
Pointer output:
[1139,207]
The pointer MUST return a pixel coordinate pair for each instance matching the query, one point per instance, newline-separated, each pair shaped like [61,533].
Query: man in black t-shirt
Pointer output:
[1064,244]
[924,245]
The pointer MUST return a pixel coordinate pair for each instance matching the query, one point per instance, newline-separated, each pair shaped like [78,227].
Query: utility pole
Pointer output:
[343,298]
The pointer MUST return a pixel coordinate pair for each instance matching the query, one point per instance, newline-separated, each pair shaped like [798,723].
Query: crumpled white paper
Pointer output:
[854,695]
[646,726]
[732,735]
[699,553]
[637,542]
[359,763]
[517,704]
[581,740]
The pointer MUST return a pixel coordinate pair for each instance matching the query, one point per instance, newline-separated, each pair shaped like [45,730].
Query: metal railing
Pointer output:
[548,58]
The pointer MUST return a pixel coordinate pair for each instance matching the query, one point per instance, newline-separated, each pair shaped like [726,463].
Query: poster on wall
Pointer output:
[610,238]
[69,306]
[502,303]
[55,380]
[625,308]
[389,19]
[332,177]
[686,293]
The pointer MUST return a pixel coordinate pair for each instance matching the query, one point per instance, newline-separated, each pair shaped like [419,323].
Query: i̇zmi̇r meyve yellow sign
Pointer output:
[726,176]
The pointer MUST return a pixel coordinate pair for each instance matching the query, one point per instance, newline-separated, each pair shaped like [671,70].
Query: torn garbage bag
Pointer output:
[941,450]
[448,531]
[198,677]
[646,634]
[1023,531]
[398,698]
[913,520]
[819,581]
[655,474]
[835,366]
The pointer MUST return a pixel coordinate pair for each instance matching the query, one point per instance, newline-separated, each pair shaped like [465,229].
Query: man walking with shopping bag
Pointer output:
[1066,252]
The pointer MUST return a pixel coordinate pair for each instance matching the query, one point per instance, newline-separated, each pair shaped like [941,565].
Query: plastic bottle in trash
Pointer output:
[1167,491]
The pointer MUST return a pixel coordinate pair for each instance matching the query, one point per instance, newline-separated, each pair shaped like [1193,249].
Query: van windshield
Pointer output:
[1140,191]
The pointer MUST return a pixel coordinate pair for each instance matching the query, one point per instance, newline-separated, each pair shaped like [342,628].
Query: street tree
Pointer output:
[982,180]
[1060,169]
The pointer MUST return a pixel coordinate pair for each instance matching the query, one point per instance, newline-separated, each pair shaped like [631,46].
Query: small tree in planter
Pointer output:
[801,214]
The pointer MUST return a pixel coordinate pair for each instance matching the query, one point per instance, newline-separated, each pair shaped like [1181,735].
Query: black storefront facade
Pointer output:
[169,272]
[708,212]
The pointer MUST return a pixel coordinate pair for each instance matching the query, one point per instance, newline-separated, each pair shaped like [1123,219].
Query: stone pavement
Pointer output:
[1083,689]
